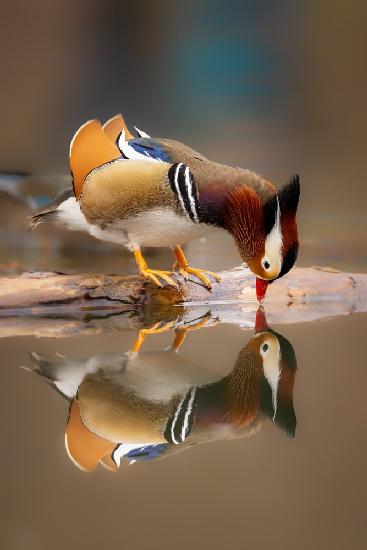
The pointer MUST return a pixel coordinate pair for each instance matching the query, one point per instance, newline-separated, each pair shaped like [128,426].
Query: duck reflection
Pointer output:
[145,405]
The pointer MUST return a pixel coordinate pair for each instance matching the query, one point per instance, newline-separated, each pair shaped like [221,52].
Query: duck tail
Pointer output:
[41,217]
[50,211]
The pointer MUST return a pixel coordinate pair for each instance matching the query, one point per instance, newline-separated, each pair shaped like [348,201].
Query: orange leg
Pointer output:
[179,339]
[185,270]
[158,328]
[181,333]
[153,274]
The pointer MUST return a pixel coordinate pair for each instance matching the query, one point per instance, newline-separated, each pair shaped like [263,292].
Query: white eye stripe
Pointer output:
[273,245]
[272,369]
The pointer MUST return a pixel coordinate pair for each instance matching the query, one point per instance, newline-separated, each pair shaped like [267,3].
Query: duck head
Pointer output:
[279,365]
[262,380]
[265,232]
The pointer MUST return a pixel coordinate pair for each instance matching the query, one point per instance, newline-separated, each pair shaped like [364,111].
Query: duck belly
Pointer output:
[159,227]
[163,227]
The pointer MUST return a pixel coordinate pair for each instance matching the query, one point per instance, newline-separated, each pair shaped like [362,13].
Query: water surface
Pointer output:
[262,456]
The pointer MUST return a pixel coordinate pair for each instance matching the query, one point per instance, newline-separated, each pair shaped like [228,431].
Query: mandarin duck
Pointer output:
[152,192]
[142,406]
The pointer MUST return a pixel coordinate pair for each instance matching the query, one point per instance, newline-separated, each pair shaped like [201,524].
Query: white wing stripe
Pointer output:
[141,133]
[188,414]
[177,187]
[188,182]
[129,152]
[174,422]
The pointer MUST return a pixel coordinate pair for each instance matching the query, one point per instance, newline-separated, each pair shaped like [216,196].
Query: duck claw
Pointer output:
[202,274]
[156,274]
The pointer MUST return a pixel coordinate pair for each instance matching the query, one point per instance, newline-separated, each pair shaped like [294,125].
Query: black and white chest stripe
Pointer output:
[184,187]
[180,424]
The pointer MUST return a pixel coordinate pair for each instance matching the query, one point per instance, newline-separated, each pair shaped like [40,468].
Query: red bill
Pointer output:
[260,322]
[261,287]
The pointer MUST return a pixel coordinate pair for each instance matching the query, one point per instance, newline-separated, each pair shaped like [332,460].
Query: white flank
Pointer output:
[189,192]
[69,213]
[187,414]
[151,377]
[129,152]
[158,227]
[69,385]
[141,133]
[70,373]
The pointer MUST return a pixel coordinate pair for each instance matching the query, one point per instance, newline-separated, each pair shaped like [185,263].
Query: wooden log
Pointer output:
[36,289]
[54,304]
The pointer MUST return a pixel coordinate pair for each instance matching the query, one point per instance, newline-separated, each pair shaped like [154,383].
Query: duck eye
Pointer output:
[266,264]
[265,348]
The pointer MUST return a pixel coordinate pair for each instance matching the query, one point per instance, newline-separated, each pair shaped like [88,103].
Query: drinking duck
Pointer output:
[153,192]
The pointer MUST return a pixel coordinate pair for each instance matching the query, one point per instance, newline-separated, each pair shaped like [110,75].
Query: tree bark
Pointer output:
[54,304]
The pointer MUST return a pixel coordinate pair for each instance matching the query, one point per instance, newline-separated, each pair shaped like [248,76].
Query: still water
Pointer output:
[191,434]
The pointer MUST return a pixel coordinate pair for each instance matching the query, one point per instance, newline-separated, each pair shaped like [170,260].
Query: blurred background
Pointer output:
[277,87]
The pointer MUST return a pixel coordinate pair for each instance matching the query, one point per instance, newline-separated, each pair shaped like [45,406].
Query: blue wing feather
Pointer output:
[150,148]
[148,452]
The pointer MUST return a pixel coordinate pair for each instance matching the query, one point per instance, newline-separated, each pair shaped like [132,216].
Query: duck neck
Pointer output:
[241,214]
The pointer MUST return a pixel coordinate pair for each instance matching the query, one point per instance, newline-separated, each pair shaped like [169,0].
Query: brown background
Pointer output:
[279,87]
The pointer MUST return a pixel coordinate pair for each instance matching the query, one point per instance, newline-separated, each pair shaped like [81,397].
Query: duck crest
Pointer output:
[288,198]
[283,203]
